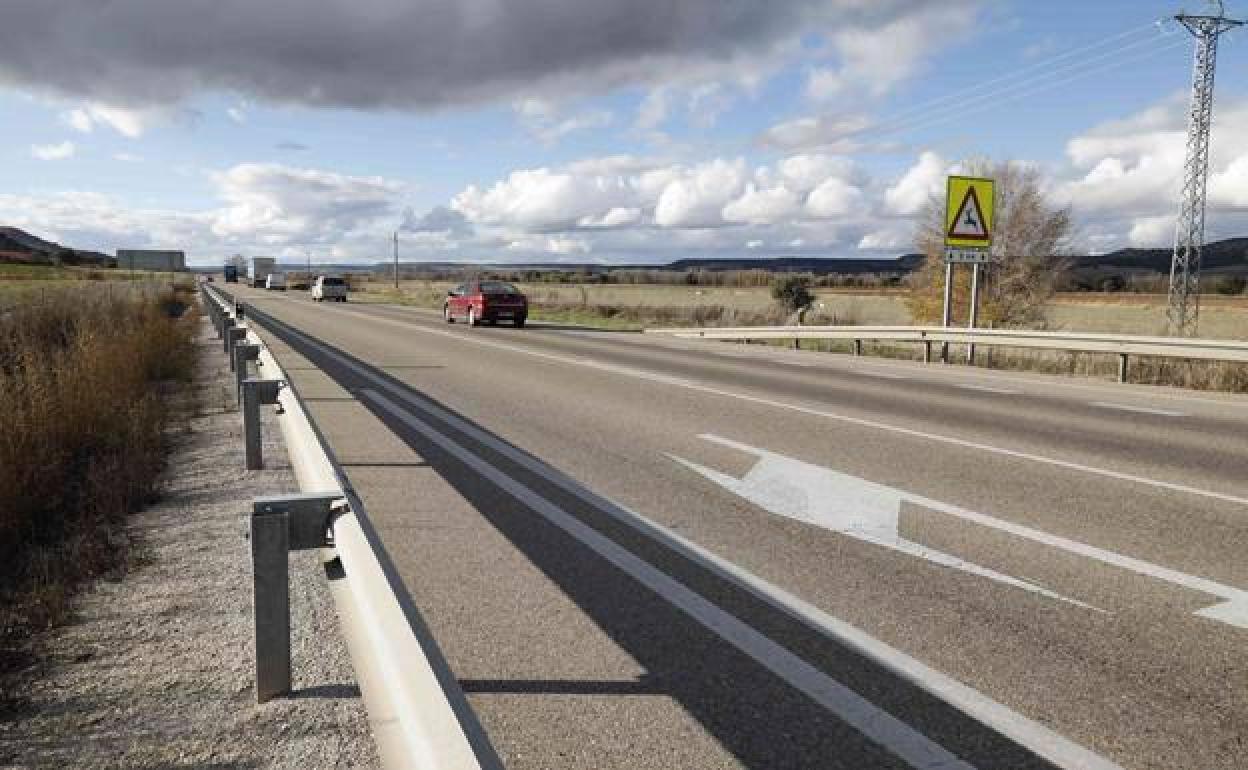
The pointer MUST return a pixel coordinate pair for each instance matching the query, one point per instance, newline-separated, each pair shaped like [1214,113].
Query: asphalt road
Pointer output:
[912,566]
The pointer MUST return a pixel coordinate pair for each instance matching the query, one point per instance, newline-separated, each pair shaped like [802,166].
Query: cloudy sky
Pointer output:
[589,130]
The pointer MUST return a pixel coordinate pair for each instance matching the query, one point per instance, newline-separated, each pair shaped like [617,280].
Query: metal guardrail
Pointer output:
[420,718]
[1122,345]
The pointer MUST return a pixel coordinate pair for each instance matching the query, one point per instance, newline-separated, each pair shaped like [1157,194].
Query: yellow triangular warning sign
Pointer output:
[969,222]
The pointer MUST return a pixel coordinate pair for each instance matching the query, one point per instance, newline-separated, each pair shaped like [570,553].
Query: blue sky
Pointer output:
[821,134]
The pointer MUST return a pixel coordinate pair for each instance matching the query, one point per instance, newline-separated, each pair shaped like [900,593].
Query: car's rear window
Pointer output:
[498,287]
[334,282]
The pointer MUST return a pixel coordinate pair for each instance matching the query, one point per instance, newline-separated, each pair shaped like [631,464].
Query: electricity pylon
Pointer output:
[1189,236]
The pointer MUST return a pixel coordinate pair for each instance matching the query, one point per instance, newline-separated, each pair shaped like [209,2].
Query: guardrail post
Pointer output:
[238,309]
[270,569]
[243,352]
[233,336]
[280,525]
[227,324]
[256,393]
[1122,367]
[927,351]
[857,347]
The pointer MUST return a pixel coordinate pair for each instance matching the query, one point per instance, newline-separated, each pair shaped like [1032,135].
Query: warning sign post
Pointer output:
[970,215]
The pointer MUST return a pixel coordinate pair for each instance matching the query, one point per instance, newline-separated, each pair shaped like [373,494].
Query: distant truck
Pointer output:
[260,269]
[231,274]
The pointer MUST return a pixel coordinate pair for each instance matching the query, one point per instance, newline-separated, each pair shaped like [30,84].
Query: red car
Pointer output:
[489,301]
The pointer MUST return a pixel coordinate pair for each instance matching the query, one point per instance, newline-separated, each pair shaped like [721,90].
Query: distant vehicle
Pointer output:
[329,287]
[275,281]
[231,274]
[260,269]
[489,301]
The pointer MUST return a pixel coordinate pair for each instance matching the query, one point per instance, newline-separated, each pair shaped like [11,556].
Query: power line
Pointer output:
[997,99]
[977,88]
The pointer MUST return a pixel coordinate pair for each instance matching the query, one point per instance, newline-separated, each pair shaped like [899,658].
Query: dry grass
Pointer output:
[85,384]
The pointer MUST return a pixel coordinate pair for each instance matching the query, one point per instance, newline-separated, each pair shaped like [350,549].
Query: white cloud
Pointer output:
[652,112]
[79,120]
[1150,231]
[545,121]
[890,238]
[237,114]
[837,134]
[875,59]
[59,151]
[835,198]
[277,204]
[127,157]
[1124,177]
[763,206]
[923,180]
[541,199]
[696,198]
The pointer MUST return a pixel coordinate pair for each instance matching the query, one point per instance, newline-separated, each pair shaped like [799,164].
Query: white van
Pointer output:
[329,287]
[275,281]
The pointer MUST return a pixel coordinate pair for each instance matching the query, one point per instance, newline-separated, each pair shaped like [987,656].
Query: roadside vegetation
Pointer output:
[88,380]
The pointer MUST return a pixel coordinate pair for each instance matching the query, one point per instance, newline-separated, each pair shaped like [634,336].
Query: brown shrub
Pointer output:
[84,377]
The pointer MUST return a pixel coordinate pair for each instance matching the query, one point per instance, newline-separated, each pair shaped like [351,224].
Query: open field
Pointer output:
[638,306]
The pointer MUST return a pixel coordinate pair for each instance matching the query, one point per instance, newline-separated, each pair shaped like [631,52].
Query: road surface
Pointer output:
[663,553]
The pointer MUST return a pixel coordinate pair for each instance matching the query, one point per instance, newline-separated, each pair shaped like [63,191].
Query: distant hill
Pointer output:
[817,265]
[17,245]
[1230,255]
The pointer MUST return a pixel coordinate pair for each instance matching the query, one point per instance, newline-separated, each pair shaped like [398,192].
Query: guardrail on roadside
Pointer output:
[1122,345]
[420,718]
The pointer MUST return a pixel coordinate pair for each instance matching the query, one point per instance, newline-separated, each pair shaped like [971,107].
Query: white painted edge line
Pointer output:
[988,389]
[413,724]
[876,724]
[860,421]
[1032,735]
[1138,409]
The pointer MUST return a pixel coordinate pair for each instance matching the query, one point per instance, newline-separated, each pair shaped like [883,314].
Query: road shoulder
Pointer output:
[157,669]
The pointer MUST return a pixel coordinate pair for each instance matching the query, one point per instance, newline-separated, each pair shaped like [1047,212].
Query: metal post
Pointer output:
[947,313]
[1122,367]
[396,261]
[243,352]
[251,425]
[227,324]
[255,393]
[233,336]
[927,351]
[270,565]
[280,525]
[857,347]
[974,313]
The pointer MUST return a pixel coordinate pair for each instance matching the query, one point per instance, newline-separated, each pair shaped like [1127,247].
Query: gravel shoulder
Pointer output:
[156,669]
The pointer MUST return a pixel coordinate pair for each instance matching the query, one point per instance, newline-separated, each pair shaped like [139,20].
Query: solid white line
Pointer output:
[1137,409]
[876,724]
[879,375]
[964,443]
[988,389]
[1032,735]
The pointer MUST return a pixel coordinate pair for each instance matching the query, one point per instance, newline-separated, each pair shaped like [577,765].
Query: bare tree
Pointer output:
[1030,249]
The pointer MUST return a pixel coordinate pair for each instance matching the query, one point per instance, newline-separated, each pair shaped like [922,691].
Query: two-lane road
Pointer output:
[647,553]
